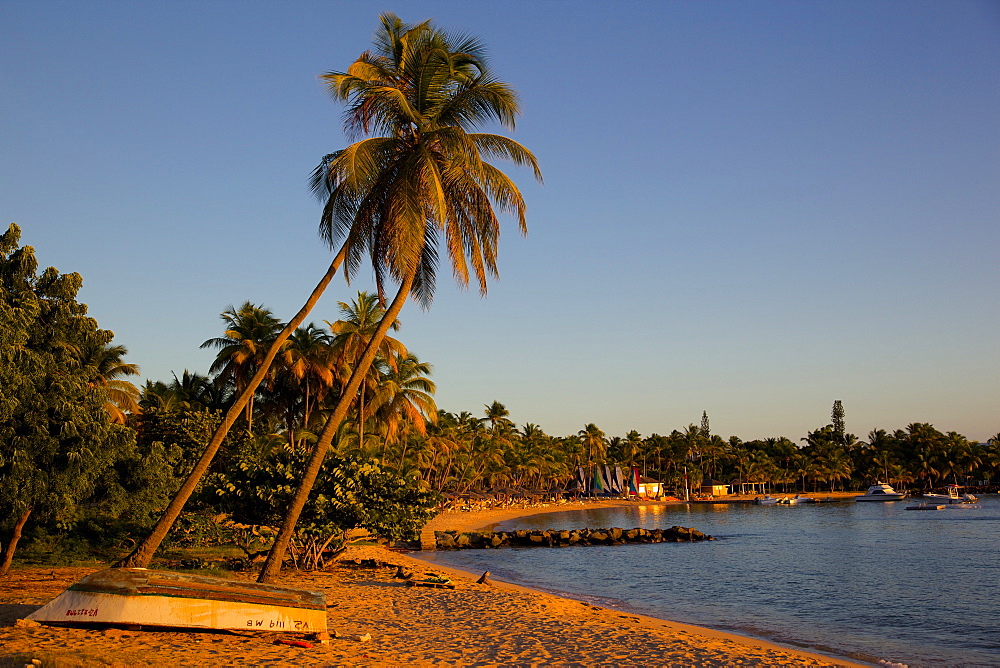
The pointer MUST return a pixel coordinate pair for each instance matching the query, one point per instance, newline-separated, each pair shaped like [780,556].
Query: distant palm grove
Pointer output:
[396,423]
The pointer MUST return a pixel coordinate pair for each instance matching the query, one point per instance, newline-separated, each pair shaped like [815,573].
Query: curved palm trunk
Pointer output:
[272,566]
[142,555]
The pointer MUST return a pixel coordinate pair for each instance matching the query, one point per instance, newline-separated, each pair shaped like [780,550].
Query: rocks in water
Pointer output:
[453,540]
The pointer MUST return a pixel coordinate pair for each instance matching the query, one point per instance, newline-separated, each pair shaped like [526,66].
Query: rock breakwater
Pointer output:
[454,540]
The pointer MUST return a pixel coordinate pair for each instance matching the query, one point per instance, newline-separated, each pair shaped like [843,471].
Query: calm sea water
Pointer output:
[868,581]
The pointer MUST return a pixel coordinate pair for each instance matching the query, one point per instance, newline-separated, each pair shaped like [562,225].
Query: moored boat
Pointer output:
[766,500]
[951,496]
[796,500]
[141,597]
[881,491]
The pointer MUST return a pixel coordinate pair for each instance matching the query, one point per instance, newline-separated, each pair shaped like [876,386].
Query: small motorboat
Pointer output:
[796,500]
[951,495]
[141,597]
[881,491]
[766,500]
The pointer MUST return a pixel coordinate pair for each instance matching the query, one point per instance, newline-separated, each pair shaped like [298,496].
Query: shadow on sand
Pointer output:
[11,612]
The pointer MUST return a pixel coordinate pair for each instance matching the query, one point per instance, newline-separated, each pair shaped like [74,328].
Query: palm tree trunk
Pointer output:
[8,554]
[402,456]
[305,416]
[142,555]
[272,565]
[361,417]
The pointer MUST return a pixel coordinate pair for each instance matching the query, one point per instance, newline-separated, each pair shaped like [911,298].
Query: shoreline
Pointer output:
[481,520]
[376,620]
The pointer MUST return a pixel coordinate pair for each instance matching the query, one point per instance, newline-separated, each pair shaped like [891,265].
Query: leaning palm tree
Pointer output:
[418,177]
[143,553]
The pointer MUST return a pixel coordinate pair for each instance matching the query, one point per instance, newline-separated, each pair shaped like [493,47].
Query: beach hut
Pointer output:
[711,487]
[650,488]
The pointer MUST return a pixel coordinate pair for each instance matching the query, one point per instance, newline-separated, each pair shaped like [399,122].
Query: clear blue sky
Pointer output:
[750,208]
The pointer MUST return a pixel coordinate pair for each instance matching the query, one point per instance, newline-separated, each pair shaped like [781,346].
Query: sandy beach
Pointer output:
[493,624]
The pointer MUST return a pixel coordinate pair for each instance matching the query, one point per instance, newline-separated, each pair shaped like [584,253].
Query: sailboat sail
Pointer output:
[633,481]
[610,478]
[620,480]
[599,485]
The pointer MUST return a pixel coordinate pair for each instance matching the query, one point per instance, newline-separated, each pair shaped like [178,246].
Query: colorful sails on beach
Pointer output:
[604,480]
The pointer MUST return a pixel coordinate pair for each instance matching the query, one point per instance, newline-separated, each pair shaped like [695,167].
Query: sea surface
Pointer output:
[869,581]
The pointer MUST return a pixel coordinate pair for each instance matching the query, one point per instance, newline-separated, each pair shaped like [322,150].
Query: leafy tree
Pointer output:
[349,494]
[56,438]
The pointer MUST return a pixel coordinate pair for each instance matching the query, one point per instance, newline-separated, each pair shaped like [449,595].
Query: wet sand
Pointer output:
[494,624]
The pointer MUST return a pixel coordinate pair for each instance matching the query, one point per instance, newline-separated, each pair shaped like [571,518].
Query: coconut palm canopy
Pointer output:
[424,175]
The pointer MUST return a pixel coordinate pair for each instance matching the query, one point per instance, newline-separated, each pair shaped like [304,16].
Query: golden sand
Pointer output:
[494,624]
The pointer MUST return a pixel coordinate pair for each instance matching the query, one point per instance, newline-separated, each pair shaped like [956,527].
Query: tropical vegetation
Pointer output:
[72,476]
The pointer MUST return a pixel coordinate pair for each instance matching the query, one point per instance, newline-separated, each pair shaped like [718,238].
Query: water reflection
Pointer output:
[867,579]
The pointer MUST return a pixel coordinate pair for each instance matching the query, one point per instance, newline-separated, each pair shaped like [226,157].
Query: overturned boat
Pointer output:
[141,597]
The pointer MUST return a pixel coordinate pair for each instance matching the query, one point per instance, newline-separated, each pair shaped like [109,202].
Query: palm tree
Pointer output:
[594,441]
[307,358]
[250,329]
[351,334]
[393,196]
[198,392]
[105,360]
[496,415]
[632,447]
[405,397]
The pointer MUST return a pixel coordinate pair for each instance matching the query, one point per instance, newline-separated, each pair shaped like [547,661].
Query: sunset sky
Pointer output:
[750,208]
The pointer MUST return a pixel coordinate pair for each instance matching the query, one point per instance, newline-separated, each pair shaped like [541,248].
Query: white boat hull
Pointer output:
[881,492]
[136,597]
[941,498]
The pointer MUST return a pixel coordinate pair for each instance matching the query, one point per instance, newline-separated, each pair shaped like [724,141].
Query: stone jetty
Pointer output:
[454,540]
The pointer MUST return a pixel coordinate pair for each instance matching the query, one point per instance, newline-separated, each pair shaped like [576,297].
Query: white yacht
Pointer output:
[880,492]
